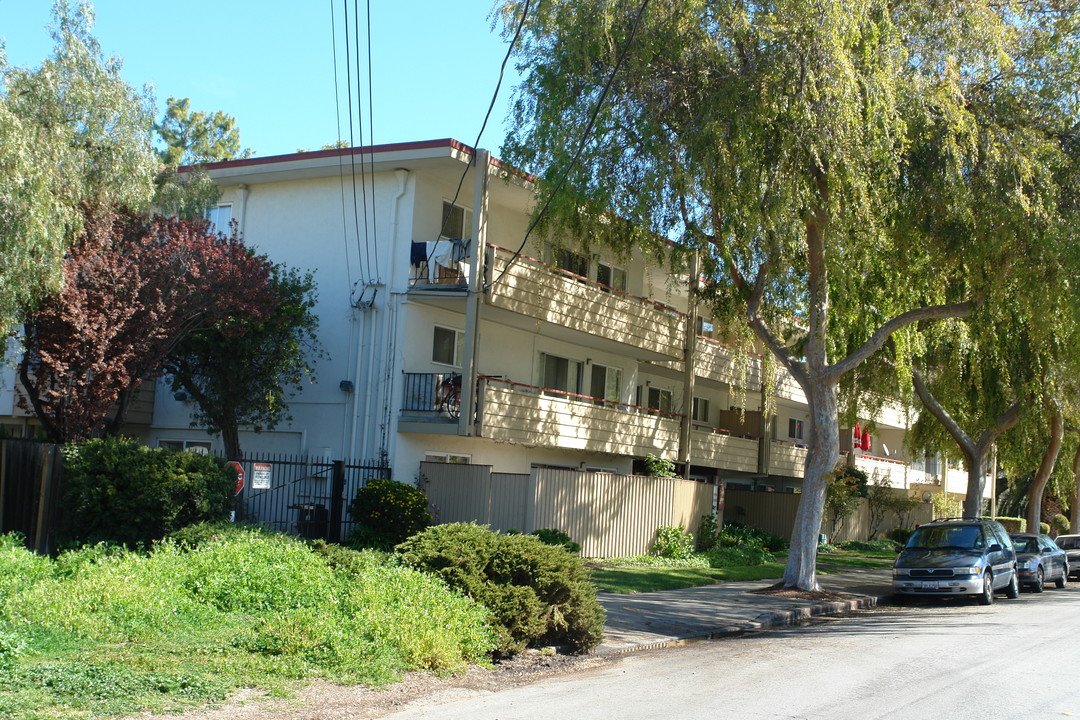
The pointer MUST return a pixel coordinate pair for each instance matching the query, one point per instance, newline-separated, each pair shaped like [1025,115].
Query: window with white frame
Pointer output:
[555,374]
[795,429]
[570,261]
[655,398]
[451,458]
[446,346]
[705,328]
[456,221]
[606,382]
[202,447]
[220,216]
[610,277]
[700,411]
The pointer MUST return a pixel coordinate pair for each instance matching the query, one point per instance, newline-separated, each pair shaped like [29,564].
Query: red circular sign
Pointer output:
[239,474]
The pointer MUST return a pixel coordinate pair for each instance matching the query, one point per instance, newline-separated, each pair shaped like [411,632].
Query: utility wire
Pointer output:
[483,126]
[581,144]
[371,143]
[341,168]
[352,138]
[360,132]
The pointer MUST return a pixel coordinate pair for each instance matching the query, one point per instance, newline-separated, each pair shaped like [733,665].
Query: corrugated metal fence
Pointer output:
[609,515]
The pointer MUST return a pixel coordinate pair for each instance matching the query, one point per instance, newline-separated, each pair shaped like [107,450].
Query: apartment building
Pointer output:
[452,336]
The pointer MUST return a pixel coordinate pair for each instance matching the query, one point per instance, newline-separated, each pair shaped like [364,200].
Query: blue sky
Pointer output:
[435,64]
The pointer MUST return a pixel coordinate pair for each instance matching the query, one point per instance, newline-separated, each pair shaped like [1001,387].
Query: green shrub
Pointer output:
[673,542]
[1044,528]
[538,594]
[738,556]
[389,512]
[551,536]
[1013,524]
[826,548]
[900,535]
[192,536]
[1060,524]
[737,534]
[695,560]
[117,490]
[656,466]
[879,545]
[708,534]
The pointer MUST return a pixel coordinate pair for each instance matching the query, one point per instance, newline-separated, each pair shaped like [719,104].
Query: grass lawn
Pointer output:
[614,579]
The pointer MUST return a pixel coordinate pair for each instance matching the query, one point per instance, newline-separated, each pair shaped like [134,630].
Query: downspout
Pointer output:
[241,200]
[467,417]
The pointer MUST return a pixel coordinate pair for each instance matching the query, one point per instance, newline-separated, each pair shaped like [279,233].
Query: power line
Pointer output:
[352,139]
[581,144]
[371,143]
[360,131]
[341,169]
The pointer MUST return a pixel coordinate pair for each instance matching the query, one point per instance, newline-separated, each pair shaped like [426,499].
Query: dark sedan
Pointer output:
[1071,545]
[1040,560]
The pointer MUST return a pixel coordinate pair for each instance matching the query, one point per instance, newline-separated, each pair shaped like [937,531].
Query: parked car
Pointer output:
[1039,559]
[971,556]
[1071,545]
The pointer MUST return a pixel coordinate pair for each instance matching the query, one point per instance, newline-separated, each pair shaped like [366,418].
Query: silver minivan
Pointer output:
[958,556]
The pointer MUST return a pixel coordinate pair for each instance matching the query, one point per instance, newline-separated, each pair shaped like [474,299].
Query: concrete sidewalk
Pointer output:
[666,617]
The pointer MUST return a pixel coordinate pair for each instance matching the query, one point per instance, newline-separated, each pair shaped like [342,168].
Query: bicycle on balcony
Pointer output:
[449,400]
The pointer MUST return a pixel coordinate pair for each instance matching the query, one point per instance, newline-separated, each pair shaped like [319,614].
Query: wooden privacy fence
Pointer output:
[30,480]
[775,513]
[609,515]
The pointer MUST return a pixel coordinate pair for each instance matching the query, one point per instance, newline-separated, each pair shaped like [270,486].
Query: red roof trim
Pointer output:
[338,152]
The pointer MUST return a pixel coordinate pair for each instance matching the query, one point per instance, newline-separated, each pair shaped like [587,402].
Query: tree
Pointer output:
[828,162]
[134,288]
[241,371]
[72,134]
[192,139]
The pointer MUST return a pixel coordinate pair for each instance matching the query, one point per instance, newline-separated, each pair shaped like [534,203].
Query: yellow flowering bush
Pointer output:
[388,513]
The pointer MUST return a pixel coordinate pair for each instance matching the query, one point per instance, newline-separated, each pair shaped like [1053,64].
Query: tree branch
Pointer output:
[967,445]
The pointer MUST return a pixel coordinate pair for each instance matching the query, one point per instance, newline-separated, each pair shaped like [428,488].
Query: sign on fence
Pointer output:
[261,475]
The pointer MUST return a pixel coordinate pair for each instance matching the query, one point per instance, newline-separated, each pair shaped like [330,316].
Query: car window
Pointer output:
[1001,537]
[1069,543]
[942,536]
[1025,544]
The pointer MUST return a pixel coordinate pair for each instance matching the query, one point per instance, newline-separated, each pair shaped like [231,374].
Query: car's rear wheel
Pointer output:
[1013,590]
[986,597]
[1064,579]
[1040,581]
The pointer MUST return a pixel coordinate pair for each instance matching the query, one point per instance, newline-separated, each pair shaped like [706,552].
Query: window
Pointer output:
[202,447]
[451,458]
[704,327]
[610,276]
[655,398]
[456,221]
[570,261]
[795,429]
[700,412]
[559,374]
[220,216]
[606,383]
[446,346]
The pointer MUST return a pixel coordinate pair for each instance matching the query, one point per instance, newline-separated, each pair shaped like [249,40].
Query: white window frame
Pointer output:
[606,393]
[450,458]
[699,410]
[574,374]
[645,398]
[616,277]
[214,216]
[459,345]
[795,428]
[444,219]
[202,447]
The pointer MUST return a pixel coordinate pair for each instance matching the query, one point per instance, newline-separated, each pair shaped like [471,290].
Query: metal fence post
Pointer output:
[337,500]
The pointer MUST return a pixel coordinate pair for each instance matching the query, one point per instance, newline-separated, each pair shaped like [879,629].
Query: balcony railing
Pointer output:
[432,395]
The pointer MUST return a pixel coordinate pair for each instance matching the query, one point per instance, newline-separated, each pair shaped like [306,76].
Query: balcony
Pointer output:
[896,472]
[528,287]
[716,361]
[716,447]
[787,458]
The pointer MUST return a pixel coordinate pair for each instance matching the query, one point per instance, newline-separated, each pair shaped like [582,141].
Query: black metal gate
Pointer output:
[302,495]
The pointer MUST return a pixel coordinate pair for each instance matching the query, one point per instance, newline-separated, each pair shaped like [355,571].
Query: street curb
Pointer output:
[781,618]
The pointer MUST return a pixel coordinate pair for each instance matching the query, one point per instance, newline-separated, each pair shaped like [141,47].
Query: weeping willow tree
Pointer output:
[73,136]
[844,170]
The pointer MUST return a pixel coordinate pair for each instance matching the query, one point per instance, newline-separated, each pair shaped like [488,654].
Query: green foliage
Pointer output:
[552,536]
[538,594]
[722,557]
[1044,528]
[844,492]
[389,512]
[106,631]
[1059,524]
[195,137]
[73,134]
[656,466]
[900,535]
[880,545]
[118,490]
[736,534]
[946,506]
[1013,524]
[708,534]
[672,542]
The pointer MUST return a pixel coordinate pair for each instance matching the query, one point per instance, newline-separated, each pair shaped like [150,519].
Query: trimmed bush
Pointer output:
[118,490]
[1059,524]
[672,542]
[900,535]
[552,536]
[538,594]
[388,512]
[880,545]
[1013,524]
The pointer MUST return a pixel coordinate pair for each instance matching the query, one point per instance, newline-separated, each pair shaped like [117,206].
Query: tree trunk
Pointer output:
[1074,524]
[230,436]
[821,459]
[976,467]
[1046,467]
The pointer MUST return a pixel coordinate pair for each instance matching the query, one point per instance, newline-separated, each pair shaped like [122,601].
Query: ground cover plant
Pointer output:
[105,631]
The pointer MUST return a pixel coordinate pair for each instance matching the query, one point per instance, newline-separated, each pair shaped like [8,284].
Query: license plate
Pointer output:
[930,585]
